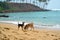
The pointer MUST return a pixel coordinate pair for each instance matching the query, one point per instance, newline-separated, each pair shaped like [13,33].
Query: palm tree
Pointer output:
[30,1]
[23,1]
[45,2]
[26,1]
[8,0]
[35,2]
[44,5]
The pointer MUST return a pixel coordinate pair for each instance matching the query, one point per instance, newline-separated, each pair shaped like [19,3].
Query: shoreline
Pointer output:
[48,27]
[12,11]
[36,28]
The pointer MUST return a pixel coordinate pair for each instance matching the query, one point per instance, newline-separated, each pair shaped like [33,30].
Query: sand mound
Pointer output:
[10,32]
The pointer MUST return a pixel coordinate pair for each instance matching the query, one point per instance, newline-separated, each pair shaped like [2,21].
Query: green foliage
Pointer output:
[8,0]
[45,2]
[42,0]
[4,6]
[1,8]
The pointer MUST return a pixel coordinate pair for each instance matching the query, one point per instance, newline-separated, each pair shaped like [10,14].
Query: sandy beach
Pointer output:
[9,31]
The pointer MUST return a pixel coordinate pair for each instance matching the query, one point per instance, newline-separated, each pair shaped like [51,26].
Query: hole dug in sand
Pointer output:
[32,39]
[27,34]
[55,39]
[12,37]
[3,37]
[7,28]
[59,38]
[21,39]
[52,35]
[47,34]
[0,32]
[36,31]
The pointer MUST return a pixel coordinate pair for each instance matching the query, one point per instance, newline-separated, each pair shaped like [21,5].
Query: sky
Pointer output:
[53,4]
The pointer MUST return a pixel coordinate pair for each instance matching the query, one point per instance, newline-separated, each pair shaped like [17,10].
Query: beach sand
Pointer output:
[10,32]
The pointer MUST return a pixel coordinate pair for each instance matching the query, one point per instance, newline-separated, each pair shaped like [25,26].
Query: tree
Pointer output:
[23,0]
[45,2]
[8,0]
[4,6]
[42,0]
[35,2]
[26,1]
[30,1]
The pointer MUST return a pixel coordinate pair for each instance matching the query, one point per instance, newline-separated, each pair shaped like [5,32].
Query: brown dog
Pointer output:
[30,25]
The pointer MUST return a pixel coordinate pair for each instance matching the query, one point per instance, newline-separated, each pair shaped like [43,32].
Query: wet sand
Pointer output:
[10,32]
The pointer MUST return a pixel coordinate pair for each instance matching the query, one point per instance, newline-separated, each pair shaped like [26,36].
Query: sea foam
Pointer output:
[39,26]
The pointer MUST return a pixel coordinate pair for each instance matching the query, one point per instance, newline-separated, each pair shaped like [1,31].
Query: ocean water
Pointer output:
[48,17]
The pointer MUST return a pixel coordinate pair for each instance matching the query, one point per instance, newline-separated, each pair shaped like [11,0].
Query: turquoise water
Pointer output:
[48,17]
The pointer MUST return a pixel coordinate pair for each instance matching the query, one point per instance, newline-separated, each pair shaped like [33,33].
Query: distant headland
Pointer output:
[6,7]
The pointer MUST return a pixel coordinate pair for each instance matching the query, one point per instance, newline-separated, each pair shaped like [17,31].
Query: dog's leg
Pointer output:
[22,28]
[32,28]
[18,27]
[25,28]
